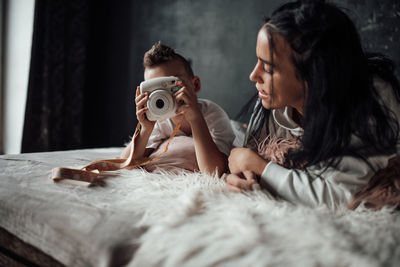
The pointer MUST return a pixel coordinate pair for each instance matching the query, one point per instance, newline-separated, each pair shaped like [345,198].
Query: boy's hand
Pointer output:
[187,103]
[141,108]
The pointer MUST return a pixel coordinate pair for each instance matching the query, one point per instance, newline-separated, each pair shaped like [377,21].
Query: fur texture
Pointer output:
[194,221]
[274,149]
[382,190]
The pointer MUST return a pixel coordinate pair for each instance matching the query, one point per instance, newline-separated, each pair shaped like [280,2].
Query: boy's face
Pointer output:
[172,68]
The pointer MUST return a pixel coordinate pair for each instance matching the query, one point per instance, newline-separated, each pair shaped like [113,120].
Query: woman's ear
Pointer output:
[197,84]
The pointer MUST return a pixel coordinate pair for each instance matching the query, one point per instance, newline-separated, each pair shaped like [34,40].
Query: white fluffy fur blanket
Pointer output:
[194,221]
[191,220]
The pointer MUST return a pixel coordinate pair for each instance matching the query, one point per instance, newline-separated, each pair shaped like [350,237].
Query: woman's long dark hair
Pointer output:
[341,100]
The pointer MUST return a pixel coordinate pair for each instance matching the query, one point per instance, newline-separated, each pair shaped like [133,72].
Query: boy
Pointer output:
[202,119]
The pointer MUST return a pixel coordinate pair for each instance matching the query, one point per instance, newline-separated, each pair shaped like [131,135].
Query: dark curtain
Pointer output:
[79,82]
[58,76]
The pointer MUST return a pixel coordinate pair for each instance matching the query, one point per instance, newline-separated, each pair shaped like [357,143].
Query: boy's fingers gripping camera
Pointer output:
[161,103]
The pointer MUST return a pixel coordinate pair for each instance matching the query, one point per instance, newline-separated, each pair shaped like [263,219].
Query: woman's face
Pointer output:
[287,89]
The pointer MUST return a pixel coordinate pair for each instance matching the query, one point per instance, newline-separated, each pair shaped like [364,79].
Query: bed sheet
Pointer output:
[76,225]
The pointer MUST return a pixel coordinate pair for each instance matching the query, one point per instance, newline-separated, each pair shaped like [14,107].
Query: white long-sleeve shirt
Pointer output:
[217,121]
[337,184]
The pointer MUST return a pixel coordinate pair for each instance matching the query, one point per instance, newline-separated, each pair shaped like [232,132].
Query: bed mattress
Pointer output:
[76,225]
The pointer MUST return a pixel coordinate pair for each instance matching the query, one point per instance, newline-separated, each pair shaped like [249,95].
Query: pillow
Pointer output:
[180,156]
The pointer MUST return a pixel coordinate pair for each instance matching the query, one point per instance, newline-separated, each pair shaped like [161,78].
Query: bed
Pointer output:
[137,218]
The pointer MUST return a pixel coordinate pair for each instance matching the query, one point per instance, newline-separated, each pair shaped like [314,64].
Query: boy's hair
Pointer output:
[160,53]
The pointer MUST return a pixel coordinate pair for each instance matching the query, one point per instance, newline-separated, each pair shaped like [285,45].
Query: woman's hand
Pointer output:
[141,108]
[245,159]
[238,183]
[187,101]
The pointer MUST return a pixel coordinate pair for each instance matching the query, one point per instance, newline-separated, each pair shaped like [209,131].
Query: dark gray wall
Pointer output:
[220,37]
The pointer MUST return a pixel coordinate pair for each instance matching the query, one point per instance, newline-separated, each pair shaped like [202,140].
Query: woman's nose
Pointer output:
[254,77]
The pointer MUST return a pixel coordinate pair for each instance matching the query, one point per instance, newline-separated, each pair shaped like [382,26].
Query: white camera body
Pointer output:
[162,105]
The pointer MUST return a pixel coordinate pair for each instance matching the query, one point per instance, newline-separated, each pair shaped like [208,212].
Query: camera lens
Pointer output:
[160,103]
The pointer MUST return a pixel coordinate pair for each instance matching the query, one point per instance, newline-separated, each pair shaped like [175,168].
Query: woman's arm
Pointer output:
[244,159]
[240,182]
[313,187]
[244,165]
[334,186]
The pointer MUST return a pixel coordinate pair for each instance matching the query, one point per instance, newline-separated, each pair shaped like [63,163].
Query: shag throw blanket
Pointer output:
[194,221]
[188,219]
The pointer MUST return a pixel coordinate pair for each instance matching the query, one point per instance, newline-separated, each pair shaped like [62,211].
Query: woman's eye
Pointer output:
[267,68]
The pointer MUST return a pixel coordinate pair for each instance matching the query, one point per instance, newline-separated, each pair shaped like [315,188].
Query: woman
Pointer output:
[317,86]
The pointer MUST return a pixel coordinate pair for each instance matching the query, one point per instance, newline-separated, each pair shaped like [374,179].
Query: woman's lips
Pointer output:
[262,95]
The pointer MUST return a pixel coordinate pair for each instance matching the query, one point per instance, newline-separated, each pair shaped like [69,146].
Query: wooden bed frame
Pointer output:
[15,252]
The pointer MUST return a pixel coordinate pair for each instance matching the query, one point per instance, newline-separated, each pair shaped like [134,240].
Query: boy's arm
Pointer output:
[145,131]
[140,146]
[209,158]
